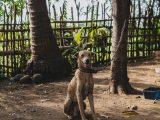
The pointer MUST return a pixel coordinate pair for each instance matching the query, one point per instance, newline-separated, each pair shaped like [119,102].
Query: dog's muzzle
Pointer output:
[87,62]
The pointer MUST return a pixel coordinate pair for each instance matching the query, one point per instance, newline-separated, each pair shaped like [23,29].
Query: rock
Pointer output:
[157,70]
[17,77]
[49,114]
[25,79]
[33,110]
[134,107]
[104,116]
[37,78]
[154,102]
[138,96]
[45,100]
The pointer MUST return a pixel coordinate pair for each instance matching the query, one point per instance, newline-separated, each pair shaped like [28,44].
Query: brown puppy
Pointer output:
[80,87]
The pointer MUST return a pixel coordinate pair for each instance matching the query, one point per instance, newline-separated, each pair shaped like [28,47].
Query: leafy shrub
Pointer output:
[96,37]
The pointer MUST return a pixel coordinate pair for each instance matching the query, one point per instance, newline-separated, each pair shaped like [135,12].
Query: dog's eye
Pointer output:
[82,55]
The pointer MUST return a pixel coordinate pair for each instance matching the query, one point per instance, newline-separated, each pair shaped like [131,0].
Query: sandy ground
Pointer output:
[45,101]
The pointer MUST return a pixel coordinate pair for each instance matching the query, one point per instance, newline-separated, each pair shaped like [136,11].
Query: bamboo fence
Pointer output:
[143,33]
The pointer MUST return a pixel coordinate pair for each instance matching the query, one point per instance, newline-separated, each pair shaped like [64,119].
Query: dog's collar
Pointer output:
[87,70]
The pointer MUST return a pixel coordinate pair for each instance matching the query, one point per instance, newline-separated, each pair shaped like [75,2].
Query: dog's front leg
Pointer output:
[91,102]
[80,101]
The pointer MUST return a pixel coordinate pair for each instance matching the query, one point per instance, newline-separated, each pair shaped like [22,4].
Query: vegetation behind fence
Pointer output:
[143,33]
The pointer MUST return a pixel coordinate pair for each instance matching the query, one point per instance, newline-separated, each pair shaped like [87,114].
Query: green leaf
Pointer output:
[78,36]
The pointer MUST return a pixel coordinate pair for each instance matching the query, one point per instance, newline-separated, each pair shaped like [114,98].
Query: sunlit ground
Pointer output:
[45,101]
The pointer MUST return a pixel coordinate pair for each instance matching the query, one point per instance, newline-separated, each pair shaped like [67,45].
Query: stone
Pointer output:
[37,78]
[157,70]
[134,107]
[17,77]
[104,117]
[138,96]
[25,79]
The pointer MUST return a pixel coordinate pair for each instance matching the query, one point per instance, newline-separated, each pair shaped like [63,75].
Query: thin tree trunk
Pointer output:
[46,57]
[119,82]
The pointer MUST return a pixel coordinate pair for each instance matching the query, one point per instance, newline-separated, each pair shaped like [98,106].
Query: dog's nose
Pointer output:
[87,61]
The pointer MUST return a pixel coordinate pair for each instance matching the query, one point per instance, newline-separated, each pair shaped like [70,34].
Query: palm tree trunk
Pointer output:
[119,82]
[45,54]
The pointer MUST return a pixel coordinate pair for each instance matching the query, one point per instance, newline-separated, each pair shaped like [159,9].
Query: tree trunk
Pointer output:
[45,54]
[119,82]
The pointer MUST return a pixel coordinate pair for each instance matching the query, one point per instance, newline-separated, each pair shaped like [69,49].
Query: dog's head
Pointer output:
[84,59]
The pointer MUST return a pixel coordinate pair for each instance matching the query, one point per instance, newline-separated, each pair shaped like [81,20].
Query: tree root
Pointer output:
[115,88]
[56,69]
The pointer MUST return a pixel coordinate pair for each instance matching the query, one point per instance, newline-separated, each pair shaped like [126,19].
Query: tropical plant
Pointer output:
[96,37]
[6,5]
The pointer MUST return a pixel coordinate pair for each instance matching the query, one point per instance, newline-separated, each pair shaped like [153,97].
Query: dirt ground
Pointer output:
[45,101]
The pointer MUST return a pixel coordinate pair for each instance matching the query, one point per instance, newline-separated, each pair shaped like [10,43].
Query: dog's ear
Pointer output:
[93,53]
[76,55]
